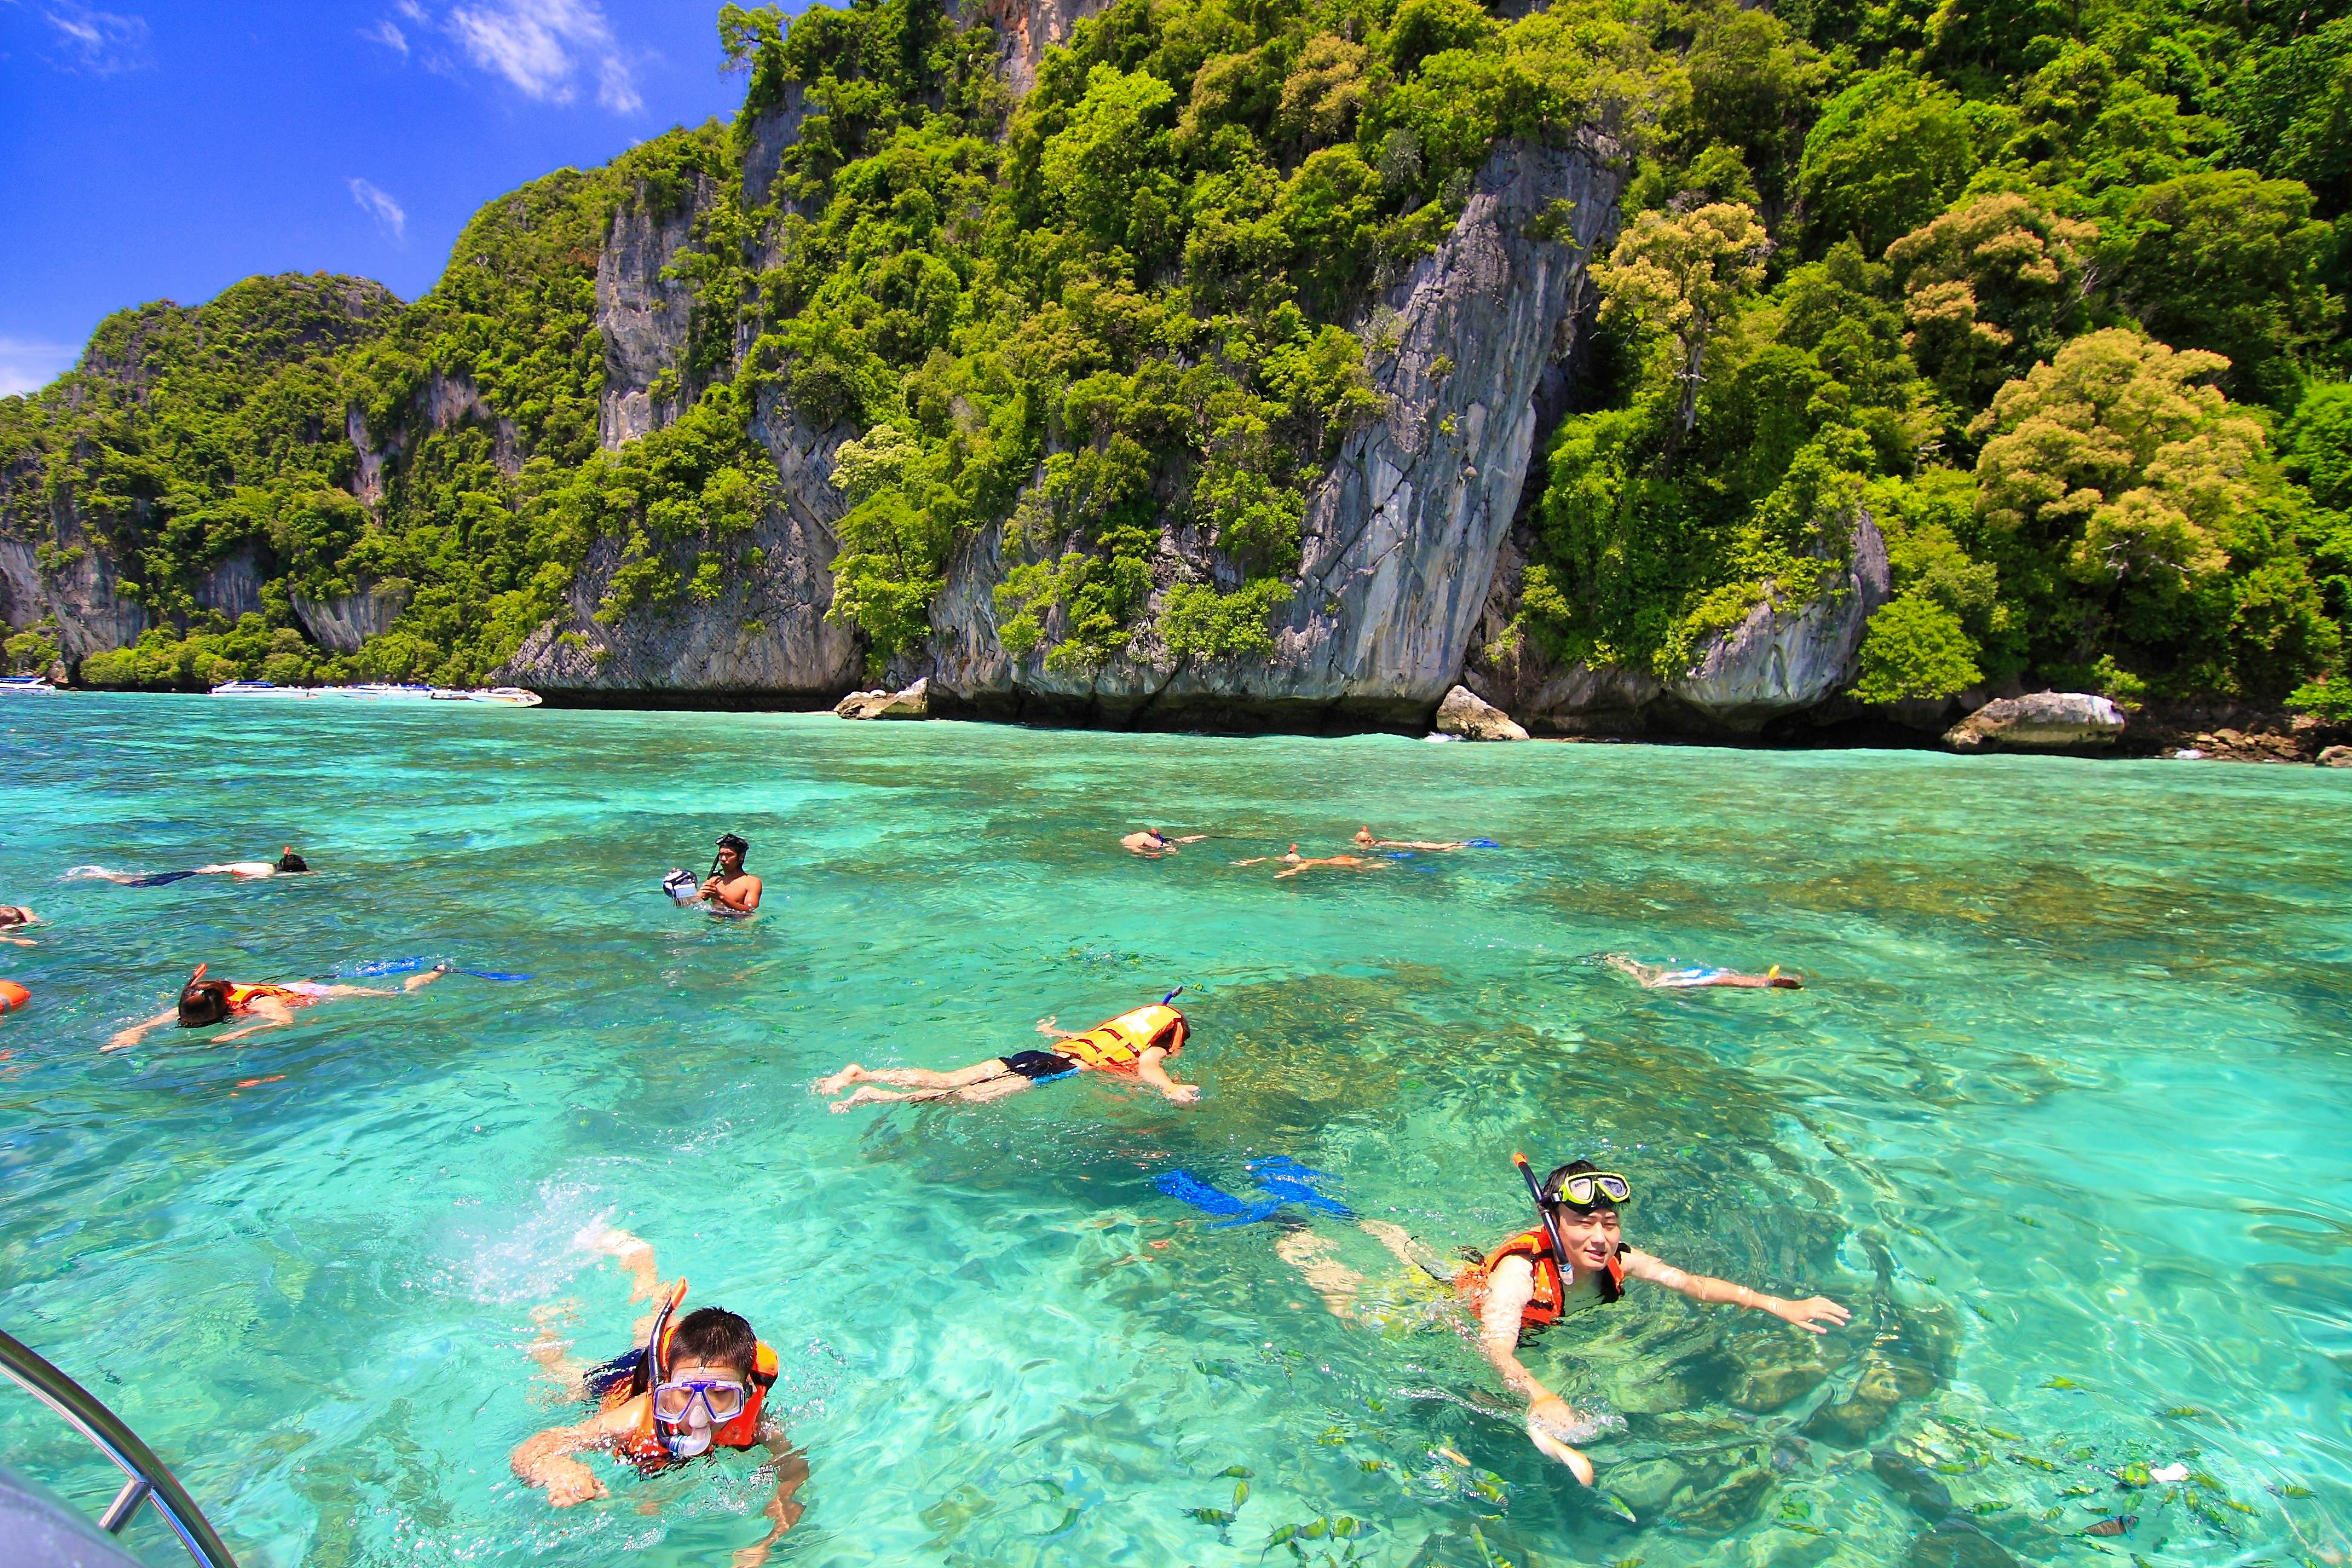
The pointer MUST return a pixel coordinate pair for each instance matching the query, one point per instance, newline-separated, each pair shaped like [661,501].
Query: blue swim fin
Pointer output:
[1292,1182]
[1483,844]
[391,967]
[1186,1187]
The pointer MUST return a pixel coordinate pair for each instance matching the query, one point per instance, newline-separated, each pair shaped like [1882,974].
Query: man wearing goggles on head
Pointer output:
[1573,1260]
[699,1385]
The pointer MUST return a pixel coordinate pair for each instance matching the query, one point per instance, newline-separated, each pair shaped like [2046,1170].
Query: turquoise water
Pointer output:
[2060,1115]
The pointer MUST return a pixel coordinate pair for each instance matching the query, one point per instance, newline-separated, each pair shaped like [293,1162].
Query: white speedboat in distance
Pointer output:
[40,683]
[260,689]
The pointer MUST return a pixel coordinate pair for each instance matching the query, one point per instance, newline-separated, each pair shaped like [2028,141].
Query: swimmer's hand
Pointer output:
[1045,1026]
[1804,1313]
[1547,1414]
[1183,1094]
[568,1481]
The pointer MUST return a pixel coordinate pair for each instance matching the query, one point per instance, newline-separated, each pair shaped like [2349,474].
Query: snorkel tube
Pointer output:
[681,1442]
[1543,1211]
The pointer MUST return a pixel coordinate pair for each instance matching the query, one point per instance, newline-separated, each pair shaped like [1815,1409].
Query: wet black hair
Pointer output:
[289,861]
[202,1002]
[735,842]
[715,1337]
[1559,1179]
[15,915]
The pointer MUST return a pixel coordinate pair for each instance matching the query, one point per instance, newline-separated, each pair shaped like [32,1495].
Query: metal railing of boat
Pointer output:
[147,1479]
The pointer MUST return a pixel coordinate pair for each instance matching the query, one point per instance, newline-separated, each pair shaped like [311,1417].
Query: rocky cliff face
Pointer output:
[765,636]
[76,594]
[1401,535]
[641,316]
[1026,29]
[1788,657]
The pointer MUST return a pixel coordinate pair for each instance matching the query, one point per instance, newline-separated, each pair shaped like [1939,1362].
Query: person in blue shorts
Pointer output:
[1664,977]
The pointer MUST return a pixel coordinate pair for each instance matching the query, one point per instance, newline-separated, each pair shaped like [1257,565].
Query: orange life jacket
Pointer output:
[1120,1044]
[643,1447]
[1550,1299]
[241,998]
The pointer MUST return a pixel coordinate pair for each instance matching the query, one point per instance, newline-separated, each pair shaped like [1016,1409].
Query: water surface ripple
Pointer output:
[2060,1115]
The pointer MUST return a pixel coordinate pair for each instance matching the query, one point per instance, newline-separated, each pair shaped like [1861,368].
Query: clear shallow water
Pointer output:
[2061,1116]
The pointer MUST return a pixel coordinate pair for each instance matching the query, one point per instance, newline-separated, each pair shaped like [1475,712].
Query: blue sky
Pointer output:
[162,151]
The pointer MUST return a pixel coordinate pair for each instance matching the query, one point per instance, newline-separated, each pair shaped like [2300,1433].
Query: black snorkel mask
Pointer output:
[743,852]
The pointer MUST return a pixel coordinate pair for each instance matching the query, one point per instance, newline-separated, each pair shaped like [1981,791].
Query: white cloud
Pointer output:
[98,42]
[378,203]
[387,33]
[544,47]
[27,367]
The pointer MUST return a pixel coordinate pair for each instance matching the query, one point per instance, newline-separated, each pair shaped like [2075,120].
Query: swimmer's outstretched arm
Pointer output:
[784,1509]
[272,1013]
[1815,1314]
[1148,1070]
[130,1036]
[20,940]
[1508,1290]
[547,1459]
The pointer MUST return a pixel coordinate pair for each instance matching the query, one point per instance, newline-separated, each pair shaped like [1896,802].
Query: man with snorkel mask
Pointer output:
[730,888]
[1574,1259]
[696,1386]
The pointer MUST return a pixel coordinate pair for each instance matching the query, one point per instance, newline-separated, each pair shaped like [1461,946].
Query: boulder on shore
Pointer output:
[914,702]
[2045,721]
[1473,719]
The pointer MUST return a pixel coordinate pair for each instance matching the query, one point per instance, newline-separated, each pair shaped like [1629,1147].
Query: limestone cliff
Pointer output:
[641,316]
[1401,534]
[766,635]
[1788,657]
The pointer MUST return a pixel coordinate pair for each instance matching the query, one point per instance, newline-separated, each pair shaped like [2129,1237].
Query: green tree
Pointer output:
[1682,278]
[1885,157]
[2231,263]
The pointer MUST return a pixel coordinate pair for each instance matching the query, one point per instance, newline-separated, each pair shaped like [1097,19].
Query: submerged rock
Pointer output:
[2044,720]
[1474,718]
[1955,1543]
[914,702]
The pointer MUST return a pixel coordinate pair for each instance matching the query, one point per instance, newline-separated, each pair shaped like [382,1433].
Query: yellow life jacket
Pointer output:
[1120,1044]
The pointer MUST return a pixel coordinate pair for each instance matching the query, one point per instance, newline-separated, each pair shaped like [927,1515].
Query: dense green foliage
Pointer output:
[2053,295]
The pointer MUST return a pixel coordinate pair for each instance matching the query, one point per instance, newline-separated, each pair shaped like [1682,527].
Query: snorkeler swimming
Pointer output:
[695,1385]
[1151,843]
[1364,840]
[1137,1044]
[15,917]
[1572,1261]
[287,864]
[1664,977]
[203,1002]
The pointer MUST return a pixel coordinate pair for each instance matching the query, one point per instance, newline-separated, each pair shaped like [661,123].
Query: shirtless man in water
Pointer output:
[731,890]
[286,864]
[1152,844]
[1661,977]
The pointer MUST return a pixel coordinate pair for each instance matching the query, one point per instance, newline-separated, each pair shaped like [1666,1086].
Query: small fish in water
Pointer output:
[2004,1436]
[1215,1516]
[2116,1526]
[1617,1506]
[2062,1383]
[1450,1453]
